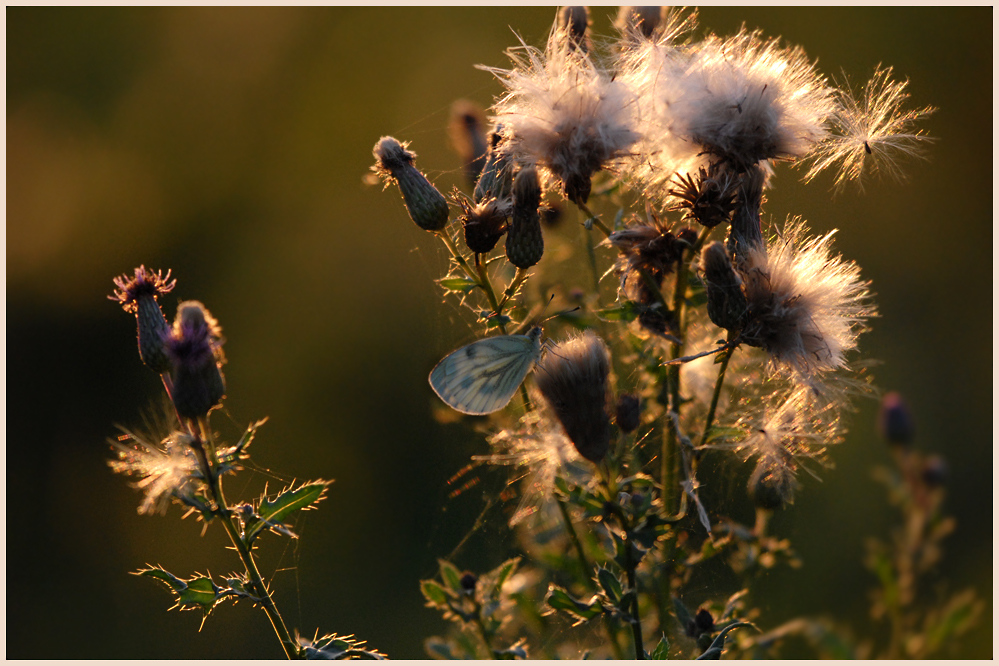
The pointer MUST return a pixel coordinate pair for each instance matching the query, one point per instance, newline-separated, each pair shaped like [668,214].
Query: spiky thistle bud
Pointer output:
[573,382]
[468,137]
[195,346]
[524,243]
[726,302]
[496,181]
[138,295]
[484,223]
[576,22]
[895,420]
[709,197]
[629,412]
[394,163]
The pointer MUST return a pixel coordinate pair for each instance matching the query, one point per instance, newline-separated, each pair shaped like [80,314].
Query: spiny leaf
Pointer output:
[503,572]
[458,285]
[271,513]
[451,576]
[198,592]
[436,595]
[332,646]
[611,585]
[626,311]
[662,650]
[559,599]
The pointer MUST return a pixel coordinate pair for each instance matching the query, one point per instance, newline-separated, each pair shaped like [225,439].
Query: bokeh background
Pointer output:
[230,145]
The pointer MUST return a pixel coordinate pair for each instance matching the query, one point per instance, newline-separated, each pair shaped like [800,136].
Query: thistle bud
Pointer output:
[934,471]
[895,420]
[709,197]
[195,346]
[468,581]
[468,136]
[573,382]
[726,302]
[426,205]
[629,412]
[746,233]
[138,295]
[700,624]
[496,180]
[524,243]
[642,20]
[575,21]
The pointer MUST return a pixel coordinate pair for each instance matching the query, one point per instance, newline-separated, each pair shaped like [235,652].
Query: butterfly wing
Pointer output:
[480,378]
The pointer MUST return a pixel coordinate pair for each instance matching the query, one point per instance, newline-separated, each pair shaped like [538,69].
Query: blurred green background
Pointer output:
[230,145]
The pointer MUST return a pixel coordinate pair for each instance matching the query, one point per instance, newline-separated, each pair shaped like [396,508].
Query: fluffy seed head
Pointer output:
[564,114]
[394,163]
[806,308]
[572,378]
[871,129]
[195,346]
[165,469]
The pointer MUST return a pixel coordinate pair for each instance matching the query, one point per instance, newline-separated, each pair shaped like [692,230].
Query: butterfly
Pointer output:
[482,377]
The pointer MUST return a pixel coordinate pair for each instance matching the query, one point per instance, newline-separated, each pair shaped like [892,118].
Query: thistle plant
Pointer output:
[178,459]
[689,328]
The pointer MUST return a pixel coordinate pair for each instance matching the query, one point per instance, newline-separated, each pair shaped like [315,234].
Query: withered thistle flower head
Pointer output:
[484,223]
[649,249]
[564,114]
[195,346]
[395,163]
[805,307]
[709,196]
[139,295]
[573,379]
[871,128]
[166,468]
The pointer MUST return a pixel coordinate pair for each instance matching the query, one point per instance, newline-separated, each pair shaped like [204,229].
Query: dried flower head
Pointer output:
[467,130]
[709,196]
[564,113]
[395,163]
[195,345]
[649,252]
[806,308]
[139,295]
[165,469]
[871,128]
[484,223]
[573,378]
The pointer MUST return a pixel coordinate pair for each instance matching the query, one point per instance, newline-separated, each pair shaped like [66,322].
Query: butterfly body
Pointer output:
[481,378]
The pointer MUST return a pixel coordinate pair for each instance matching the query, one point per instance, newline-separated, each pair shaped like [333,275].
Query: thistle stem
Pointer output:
[594,219]
[726,355]
[204,445]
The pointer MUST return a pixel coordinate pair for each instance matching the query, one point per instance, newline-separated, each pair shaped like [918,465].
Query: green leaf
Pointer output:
[271,513]
[451,576]
[662,650]
[682,614]
[502,573]
[435,594]
[198,592]
[610,584]
[228,457]
[437,648]
[717,433]
[627,311]
[560,600]
[458,285]
[714,651]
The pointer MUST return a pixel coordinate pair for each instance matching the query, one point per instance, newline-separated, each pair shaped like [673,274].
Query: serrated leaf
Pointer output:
[662,649]
[560,600]
[502,573]
[270,514]
[717,646]
[627,311]
[332,646]
[451,576]
[435,594]
[196,593]
[438,649]
[458,285]
[610,584]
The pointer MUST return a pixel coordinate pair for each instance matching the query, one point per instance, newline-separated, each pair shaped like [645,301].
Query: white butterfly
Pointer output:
[480,378]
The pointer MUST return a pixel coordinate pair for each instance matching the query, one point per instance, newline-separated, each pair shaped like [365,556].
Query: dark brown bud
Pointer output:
[643,20]
[573,379]
[708,197]
[577,21]
[524,243]
[496,181]
[726,303]
[934,471]
[483,223]
[895,420]
[629,412]
[426,205]
[468,582]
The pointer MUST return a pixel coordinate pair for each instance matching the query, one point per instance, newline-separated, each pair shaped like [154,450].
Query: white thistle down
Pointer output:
[166,470]
[564,113]
[871,128]
[806,307]
[742,100]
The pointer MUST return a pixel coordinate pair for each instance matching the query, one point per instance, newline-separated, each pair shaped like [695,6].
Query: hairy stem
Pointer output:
[726,355]
[593,219]
[205,445]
